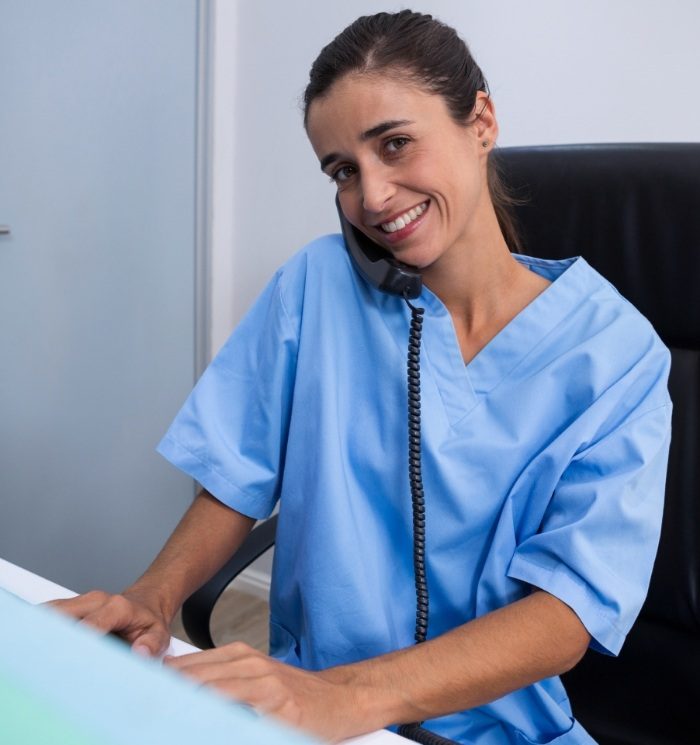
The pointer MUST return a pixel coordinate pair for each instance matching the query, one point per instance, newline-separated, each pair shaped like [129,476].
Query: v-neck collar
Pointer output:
[461,386]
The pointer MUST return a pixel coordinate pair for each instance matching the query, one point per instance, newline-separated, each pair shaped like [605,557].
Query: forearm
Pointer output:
[205,538]
[510,648]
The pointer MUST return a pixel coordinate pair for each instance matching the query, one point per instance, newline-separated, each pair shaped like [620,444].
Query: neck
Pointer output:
[477,277]
[483,287]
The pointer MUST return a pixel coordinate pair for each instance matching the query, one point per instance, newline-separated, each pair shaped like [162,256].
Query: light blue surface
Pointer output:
[543,462]
[97,687]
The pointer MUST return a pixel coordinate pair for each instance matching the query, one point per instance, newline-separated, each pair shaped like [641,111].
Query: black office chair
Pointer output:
[633,211]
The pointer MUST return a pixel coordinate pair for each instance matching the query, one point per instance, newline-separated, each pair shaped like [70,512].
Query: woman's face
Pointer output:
[409,177]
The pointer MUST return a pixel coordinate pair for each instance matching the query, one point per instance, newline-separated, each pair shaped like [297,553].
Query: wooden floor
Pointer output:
[237,616]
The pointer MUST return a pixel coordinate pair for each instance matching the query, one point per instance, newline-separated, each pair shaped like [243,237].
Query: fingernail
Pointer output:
[141,650]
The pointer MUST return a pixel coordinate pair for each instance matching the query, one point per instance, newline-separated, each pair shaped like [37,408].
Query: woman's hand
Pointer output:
[143,612]
[129,615]
[306,700]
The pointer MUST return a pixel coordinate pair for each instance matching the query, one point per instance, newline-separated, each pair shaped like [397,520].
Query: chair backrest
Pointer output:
[633,211]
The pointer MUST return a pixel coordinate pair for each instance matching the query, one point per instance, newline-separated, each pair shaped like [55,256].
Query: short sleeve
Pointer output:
[230,434]
[597,542]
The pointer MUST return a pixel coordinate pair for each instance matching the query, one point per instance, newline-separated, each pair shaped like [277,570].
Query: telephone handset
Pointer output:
[377,265]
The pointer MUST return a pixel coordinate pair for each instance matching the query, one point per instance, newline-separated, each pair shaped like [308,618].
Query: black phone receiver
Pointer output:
[377,265]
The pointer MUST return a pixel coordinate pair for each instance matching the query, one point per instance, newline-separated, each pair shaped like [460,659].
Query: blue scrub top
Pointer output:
[544,462]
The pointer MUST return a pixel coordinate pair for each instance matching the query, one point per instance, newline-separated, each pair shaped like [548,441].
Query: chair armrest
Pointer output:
[197,609]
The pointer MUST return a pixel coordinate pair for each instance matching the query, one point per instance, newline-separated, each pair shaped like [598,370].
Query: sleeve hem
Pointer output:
[213,481]
[605,636]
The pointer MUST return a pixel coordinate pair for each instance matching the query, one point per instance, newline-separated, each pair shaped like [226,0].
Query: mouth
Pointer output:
[404,223]
[405,218]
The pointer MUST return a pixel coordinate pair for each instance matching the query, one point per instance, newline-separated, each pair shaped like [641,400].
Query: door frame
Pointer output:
[203,186]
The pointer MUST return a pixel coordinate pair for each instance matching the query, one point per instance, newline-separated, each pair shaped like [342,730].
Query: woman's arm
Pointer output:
[531,639]
[510,648]
[208,534]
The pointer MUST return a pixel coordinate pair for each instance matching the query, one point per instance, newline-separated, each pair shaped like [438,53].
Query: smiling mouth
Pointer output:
[405,219]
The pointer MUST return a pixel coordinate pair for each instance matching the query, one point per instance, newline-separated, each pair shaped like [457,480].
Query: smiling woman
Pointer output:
[527,528]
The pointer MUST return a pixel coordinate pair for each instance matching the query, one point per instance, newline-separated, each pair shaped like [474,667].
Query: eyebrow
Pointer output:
[376,131]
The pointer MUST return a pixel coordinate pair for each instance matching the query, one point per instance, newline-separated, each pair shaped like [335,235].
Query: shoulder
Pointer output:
[325,255]
[315,274]
[594,313]
[277,311]
[620,326]
[598,343]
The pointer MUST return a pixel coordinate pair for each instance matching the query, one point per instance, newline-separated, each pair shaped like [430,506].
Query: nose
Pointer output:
[377,188]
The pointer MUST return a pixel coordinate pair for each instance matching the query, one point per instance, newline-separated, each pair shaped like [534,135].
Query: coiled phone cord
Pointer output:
[415,731]
[414,471]
[424,736]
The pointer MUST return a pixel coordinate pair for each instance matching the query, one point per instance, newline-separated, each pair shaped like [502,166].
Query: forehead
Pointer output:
[356,103]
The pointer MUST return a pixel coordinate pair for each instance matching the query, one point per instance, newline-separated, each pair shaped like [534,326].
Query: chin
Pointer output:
[415,257]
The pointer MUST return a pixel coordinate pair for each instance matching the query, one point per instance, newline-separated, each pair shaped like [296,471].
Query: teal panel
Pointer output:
[92,690]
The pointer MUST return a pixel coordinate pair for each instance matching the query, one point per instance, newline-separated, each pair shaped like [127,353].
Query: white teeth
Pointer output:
[405,219]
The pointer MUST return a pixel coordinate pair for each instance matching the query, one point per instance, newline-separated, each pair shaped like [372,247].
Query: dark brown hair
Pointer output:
[426,51]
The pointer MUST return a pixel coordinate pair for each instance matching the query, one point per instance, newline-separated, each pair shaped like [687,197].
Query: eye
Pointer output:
[342,174]
[395,144]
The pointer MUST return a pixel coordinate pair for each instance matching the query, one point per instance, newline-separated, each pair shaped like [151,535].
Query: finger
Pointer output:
[227,653]
[81,605]
[265,694]
[117,614]
[151,644]
[250,691]
[209,672]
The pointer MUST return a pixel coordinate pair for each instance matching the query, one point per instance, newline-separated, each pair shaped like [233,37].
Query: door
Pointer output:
[97,188]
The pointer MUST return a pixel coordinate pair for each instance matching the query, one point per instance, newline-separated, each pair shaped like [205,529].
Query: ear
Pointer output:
[484,121]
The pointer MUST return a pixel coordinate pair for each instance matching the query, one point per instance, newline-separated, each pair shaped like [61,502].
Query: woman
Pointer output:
[544,438]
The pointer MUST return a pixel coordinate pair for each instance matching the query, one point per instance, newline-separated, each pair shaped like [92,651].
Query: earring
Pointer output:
[485,143]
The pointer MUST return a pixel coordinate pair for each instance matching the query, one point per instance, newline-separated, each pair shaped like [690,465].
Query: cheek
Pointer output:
[467,184]
[448,174]
[349,206]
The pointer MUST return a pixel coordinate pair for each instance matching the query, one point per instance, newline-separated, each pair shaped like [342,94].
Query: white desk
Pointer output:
[35,589]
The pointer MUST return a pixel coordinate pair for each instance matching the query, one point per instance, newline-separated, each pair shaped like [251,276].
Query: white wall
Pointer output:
[560,72]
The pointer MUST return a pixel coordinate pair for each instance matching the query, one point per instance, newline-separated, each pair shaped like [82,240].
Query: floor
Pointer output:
[237,616]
